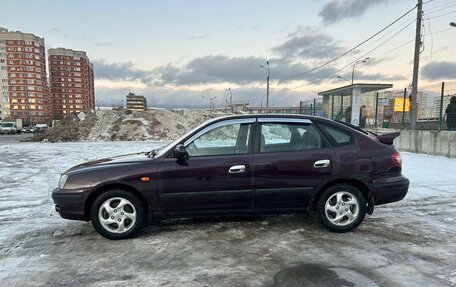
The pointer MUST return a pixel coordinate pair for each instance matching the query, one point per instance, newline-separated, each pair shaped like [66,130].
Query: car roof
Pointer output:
[291,116]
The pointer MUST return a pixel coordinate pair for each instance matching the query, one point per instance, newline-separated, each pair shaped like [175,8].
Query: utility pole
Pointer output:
[267,86]
[416,66]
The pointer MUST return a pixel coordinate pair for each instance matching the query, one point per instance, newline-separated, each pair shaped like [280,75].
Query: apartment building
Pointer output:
[24,92]
[71,82]
[136,102]
[436,105]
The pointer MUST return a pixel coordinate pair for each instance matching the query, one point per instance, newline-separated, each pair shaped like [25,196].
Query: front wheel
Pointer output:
[341,208]
[117,214]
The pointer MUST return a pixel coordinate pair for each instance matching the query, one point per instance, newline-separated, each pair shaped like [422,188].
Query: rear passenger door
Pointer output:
[291,159]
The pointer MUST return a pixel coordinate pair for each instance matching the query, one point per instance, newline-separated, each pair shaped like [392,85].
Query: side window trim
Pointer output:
[284,120]
[217,125]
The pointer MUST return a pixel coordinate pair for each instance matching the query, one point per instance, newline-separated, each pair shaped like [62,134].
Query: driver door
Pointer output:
[217,177]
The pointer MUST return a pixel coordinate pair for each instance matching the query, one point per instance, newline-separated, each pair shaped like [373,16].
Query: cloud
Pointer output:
[309,43]
[298,53]
[102,44]
[183,85]
[120,71]
[439,71]
[238,70]
[213,69]
[198,37]
[338,10]
[379,77]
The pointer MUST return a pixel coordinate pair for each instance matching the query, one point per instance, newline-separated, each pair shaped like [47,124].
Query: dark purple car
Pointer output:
[255,164]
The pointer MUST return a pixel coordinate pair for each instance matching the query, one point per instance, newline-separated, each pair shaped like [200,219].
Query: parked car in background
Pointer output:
[40,128]
[28,129]
[255,164]
[11,127]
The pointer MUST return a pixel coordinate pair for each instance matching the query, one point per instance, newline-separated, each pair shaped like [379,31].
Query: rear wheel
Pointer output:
[117,214]
[341,208]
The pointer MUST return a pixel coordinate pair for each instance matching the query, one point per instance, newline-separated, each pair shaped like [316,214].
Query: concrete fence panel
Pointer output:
[440,143]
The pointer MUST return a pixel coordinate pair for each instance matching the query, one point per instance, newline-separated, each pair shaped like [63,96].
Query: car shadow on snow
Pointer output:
[224,223]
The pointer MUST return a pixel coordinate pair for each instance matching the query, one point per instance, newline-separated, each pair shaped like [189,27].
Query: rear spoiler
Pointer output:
[388,138]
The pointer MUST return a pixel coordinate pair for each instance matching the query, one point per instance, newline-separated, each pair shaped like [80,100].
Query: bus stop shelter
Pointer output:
[353,90]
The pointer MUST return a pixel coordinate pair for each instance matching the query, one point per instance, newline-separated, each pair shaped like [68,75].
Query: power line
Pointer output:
[432,11]
[391,31]
[360,57]
[441,15]
[401,28]
[374,57]
[259,96]
[253,91]
[432,46]
[349,51]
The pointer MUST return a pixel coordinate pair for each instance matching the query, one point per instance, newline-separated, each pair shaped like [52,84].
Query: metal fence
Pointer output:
[312,107]
[390,108]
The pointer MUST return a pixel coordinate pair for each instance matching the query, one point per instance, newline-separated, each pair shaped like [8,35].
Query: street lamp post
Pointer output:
[231,99]
[354,65]
[213,102]
[267,86]
[344,79]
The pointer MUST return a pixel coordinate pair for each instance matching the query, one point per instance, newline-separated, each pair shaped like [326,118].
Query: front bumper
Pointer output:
[70,204]
[390,189]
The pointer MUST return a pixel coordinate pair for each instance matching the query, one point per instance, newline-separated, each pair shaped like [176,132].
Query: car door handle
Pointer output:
[237,169]
[322,163]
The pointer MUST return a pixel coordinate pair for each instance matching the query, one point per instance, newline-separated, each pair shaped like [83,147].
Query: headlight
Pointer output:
[62,180]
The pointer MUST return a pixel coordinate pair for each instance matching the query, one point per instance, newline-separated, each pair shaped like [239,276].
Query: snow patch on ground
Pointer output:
[408,243]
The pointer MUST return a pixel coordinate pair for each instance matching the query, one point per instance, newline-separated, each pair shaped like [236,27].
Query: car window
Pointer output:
[339,136]
[224,140]
[279,137]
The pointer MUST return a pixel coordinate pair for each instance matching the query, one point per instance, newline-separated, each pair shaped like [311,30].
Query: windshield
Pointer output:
[7,125]
[163,150]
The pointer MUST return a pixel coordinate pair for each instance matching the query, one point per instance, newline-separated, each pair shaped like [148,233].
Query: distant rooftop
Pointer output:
[5,34]
[347,90]
[67,52]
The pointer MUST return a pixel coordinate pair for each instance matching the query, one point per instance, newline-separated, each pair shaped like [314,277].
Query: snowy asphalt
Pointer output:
[409,243]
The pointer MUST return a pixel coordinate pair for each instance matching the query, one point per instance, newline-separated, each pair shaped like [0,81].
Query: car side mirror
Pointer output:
[180,153]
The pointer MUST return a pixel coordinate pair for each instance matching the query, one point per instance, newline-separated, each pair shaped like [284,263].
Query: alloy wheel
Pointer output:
[117,215]
[342,208]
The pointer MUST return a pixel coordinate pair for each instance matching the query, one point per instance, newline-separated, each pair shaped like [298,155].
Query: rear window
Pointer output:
[338,136]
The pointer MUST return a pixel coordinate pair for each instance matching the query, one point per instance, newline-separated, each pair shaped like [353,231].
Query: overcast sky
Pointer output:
[179,53]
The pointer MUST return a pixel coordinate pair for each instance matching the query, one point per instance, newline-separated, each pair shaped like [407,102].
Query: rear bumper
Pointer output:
[70,204]
[390,189]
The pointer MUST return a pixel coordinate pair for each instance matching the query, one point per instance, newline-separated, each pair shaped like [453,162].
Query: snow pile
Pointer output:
[124,125]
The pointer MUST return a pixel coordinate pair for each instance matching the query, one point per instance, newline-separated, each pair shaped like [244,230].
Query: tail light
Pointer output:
[397,159]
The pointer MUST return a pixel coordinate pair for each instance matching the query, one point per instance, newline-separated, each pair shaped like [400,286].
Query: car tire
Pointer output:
[341,208]
[114,222]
